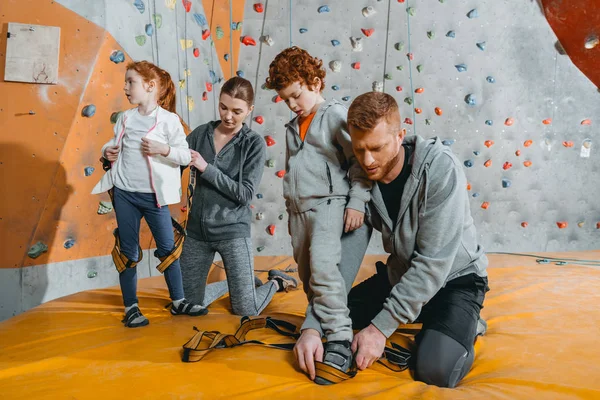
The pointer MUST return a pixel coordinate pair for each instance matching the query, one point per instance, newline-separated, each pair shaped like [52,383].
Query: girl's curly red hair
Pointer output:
[295,65]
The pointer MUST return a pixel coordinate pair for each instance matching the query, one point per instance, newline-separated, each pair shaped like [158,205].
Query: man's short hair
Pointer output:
[368,109]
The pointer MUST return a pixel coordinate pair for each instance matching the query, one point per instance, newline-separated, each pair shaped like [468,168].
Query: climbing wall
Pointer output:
[55,235]
[484,76]
[487,77]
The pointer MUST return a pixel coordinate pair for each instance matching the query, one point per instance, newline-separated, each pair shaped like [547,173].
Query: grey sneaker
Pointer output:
[481,327]
[338,355]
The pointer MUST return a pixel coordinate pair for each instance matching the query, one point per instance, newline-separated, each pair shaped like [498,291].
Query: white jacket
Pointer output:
[165,175]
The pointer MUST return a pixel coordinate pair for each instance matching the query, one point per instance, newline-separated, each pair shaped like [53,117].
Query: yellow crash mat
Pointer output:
[542,343]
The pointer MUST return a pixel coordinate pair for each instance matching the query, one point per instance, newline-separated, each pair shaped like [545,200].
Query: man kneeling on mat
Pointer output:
[436,272]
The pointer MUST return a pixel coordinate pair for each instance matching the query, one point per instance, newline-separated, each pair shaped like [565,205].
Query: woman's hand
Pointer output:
[152,148]
[198,161]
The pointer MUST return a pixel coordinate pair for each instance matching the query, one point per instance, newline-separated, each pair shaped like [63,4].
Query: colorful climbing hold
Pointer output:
[485,205]
[200,20]
[438,111]
[187,4]
[388,77]
[470,99]
[431,34]
[280,217]
[367,32]
[88,111]
[157,20]
[506,183]
[277,99]
[260,248]
[509,121]
[451,34]
[399,67]
[481,46]
[418,110]
[303,30]
[259,119]
[419,90]
[408,100]
[419,67]
[581,224]
[271,229]
[323,9]
[377,86]
[139,4]
[461,67]
[219,32]
[87,171]
[476,152]
[547,121]
[149,29]
[473,13]
[356,65]
[69,243]
[488,163]
[368,11]
[410,56]
[114,117]
[239,73]
[117,56]
[356,43]
[524,224]
[427,121]
[507,165]
[335,87]
[411,11]
[527,163]
[591,41]
[398,88]
[335,43]
[568,143]
[489,122]
[258,7]
[586,122]
[271,163]
[528,143]
[196,52]
[280,173]
[448,142]
[408,121]
[346,98]
[468,186]
[170,4]
[490,79]
[399,46]
[260,216]
[140,40]
[488,143]
[205,34]
[562,224]
[468,164]
[37,249]
[335,66]
[518,153]
[270,141]
[226,56]
[186,44]
[191,103]
[475,194]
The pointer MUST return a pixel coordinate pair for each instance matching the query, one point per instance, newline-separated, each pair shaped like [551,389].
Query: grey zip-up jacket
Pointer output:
[323,165]
[434,240]
[221,202]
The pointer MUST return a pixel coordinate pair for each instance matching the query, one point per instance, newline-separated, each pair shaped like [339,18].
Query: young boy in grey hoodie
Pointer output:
[326,192]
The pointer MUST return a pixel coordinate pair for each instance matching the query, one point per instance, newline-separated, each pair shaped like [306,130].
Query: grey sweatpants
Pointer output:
[238,260]
[316,241]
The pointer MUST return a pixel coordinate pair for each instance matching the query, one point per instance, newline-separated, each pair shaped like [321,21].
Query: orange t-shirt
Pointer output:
[304,124]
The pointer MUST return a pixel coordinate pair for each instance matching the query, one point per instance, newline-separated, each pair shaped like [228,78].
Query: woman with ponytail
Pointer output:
[146,153]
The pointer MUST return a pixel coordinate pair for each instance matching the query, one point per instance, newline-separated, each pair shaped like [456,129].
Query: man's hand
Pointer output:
[307,350]
[152,148]
[198,161]
[111,153]
[353,219]
[368,345]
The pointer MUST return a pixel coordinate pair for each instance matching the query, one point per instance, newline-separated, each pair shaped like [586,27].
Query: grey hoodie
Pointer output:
[323,165]
[434,240]
[221,203]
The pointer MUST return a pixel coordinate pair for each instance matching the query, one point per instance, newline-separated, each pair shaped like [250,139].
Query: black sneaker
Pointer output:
[338,354]
[187,308]
[286,282]
[134,318]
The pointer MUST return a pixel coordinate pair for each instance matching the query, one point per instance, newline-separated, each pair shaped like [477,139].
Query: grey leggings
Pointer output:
[196,260]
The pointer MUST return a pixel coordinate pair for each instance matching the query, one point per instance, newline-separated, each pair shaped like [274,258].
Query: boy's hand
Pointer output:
[353,220]
[368,345]
[111,153]
[152,148]
[198,161]
[307,350]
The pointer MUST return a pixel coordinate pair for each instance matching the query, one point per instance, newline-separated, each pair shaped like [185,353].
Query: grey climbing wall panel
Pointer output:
[522,90]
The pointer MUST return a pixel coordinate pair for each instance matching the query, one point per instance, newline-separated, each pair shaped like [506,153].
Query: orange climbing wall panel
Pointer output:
[573,22]
[42,156]
[218,14]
